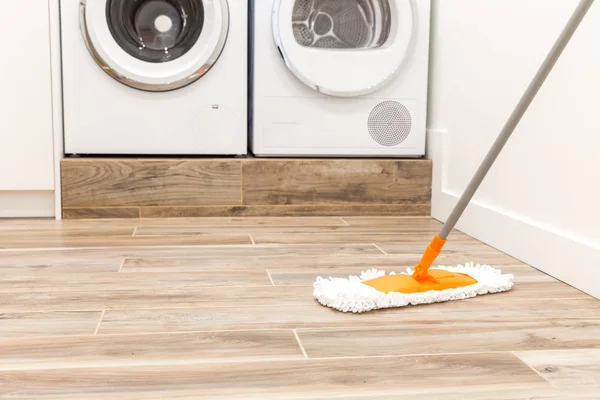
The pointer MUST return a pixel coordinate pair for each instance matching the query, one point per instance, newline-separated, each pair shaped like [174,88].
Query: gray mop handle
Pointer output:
[516,115]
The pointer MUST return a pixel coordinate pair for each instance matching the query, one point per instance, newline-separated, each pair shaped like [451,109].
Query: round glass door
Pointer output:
[155,45]
[345,48]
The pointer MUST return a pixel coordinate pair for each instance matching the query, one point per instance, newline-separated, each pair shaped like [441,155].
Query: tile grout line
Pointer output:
[157,333]
[300,344]
[195,246]
[142,246]
[577,386]
[99,322]
[344,221]
[163,363]
[258,360]
[415,355]
[253,360]
[380,249]
[270,278]
[534,370]
[221,307]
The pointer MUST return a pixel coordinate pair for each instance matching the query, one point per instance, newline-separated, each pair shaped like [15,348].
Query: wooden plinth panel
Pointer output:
[152,188]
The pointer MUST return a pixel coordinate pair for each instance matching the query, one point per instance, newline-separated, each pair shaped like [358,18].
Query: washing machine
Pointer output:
[339,77]
[155,77]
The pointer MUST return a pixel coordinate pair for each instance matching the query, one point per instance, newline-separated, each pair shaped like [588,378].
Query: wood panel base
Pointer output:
[167,188]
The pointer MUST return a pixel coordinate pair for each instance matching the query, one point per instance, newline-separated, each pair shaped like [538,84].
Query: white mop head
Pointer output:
[350,295]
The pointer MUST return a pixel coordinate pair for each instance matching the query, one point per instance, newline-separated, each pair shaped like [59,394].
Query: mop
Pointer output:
[373,289]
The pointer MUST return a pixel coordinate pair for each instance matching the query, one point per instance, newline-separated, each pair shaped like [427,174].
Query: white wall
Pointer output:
[540,201]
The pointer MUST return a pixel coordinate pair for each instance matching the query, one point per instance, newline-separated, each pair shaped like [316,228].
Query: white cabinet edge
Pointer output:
[57,103]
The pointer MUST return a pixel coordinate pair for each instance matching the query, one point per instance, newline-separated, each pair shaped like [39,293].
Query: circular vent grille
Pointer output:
[389,123]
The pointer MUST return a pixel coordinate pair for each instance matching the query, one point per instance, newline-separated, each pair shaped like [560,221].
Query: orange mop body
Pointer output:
[374,289]
[423,279]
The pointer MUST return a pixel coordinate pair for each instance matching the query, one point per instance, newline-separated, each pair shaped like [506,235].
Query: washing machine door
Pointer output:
[345,48]
[155,45]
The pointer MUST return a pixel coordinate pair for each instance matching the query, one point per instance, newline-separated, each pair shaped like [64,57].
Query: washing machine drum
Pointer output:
[155,45]
[345,48]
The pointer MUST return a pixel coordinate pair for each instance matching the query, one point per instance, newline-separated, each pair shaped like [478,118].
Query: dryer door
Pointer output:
[155,45]
[345,47]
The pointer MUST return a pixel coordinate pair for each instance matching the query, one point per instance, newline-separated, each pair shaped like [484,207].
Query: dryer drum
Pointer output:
[155,30]
[341,24]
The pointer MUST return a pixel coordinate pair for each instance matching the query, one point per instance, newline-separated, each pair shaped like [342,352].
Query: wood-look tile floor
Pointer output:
[223,309]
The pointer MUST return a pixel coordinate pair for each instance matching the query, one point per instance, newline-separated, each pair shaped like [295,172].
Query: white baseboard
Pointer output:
[569,259]
[27,204]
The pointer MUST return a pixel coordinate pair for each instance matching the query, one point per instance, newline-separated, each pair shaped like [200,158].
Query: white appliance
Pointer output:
[339,77]
[155,76]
